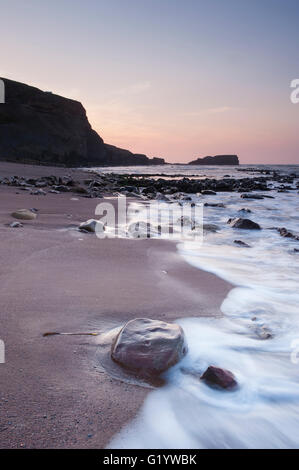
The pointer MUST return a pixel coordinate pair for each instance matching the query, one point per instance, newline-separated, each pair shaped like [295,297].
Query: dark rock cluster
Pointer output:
[287,233]
[148,187]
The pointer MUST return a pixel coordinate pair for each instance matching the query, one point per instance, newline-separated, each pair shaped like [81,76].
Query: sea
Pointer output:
[263,411]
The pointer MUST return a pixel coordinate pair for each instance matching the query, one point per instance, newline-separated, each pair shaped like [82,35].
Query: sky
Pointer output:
[177,79]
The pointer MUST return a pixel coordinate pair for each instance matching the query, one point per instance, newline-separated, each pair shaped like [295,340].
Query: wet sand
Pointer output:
[54,392]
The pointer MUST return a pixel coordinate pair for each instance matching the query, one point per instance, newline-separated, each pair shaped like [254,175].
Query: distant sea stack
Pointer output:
[42,128]
[217,160]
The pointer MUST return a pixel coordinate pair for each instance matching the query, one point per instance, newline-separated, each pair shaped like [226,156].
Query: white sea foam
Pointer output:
[264,411]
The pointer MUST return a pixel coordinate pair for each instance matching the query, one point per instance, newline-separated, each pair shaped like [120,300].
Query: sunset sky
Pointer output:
[170,78]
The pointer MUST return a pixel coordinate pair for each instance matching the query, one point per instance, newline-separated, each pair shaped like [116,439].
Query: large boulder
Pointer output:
[149,347]
[246,224]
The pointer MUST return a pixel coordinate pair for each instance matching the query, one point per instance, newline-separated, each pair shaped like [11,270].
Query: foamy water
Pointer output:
[264,411]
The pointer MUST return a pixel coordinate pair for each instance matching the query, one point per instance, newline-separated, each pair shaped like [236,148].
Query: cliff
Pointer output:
[47,129]
[217,160]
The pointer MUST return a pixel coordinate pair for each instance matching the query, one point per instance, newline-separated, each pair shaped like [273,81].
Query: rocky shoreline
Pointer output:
[179,189]
[148,187]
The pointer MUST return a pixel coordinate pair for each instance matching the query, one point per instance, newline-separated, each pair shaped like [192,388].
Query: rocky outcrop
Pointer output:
[149,347]
[217,160]
[43,128]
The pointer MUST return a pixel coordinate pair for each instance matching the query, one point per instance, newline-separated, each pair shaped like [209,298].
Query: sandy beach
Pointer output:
[54,393]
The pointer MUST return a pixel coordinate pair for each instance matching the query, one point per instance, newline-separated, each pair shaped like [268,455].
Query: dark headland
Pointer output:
[39,127]
[217,160]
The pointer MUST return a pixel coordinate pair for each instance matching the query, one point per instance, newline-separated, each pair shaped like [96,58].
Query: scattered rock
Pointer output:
[245,209]
[287,234]
[245,224]
[207,204]
[210,228]
[208,192]
[78,189]
[92,225]
[161,197]
[16,225]
[241,243]
[263,332]
[62,188]
[38,192]
[219,377]
[252,196]
[24,214]
[149,347]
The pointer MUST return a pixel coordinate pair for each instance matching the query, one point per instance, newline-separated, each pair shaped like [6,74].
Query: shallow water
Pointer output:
[264,411]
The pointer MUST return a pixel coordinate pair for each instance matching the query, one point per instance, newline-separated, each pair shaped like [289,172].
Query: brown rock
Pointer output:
[220,377]
[149,347]
[241,223]
[24,214]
